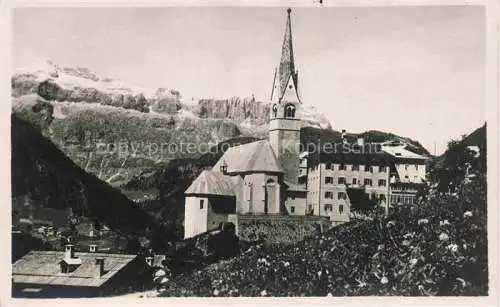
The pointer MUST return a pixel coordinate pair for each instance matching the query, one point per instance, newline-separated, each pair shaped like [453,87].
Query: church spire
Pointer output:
[287,64]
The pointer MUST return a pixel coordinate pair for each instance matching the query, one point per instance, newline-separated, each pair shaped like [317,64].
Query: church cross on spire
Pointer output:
[287,64]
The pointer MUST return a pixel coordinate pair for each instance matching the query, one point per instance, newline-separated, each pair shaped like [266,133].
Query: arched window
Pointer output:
[290,110]
[275,110]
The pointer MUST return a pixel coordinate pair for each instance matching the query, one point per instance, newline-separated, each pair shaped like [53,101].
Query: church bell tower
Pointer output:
[284,125]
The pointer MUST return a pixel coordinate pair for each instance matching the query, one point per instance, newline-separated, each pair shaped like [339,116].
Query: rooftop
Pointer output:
[42,267]
[212,183]
[401,152]
[251,157]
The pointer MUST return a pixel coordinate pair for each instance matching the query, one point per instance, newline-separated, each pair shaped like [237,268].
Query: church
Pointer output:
[274,177]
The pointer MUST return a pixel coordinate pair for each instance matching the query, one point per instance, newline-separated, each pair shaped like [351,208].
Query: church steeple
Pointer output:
[286,74]
[285,123]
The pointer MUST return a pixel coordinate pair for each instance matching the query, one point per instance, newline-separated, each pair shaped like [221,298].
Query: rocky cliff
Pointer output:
[250,112]
[116,131]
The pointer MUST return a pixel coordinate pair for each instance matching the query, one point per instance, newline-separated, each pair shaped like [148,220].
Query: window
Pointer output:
[292,209]
[406,167]
[341,196]
[381,169]
[368,182]
[341,209]
[354,181]
[342,167]
[290,110]
[329,180]
[416,167]
[341,180]
[328,195]
[369,168]
[328,207]
[202,203]
[382,183]
[355,167]
[329,166]
[382,197]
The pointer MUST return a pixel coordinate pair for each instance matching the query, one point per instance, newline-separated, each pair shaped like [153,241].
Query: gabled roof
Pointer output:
[251,157]
[43,267]
[212,183]
[399,152]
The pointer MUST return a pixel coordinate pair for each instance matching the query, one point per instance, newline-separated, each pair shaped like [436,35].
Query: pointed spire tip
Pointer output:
[289,10]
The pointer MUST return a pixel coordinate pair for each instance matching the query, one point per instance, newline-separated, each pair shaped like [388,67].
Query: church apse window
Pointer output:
[290,110]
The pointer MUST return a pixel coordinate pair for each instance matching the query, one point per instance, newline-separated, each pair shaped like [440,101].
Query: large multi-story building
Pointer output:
[360,175]
[274,177]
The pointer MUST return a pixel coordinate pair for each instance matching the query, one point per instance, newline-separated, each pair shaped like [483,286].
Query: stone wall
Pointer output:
[279,228]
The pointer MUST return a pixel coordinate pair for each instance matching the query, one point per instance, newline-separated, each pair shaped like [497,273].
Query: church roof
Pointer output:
[251,157]
[212,183]
[286,68]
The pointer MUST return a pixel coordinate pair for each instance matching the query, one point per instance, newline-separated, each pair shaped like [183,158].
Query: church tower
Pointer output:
[284,125]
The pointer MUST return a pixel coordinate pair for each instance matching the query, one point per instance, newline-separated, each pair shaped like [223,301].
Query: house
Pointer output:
[51,274]
[356,175]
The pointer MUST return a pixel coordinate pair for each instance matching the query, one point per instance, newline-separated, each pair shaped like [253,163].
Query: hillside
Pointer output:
[41,172]
[457,160]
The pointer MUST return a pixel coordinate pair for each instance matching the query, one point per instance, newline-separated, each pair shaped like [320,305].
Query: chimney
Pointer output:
[361,141]
[99,262]
[92,248]
[69,252]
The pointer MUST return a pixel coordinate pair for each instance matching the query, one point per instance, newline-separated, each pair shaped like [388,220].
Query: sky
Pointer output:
[414,71]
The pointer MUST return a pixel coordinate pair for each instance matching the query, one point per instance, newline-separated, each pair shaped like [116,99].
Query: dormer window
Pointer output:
[290,110]
[223,167]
